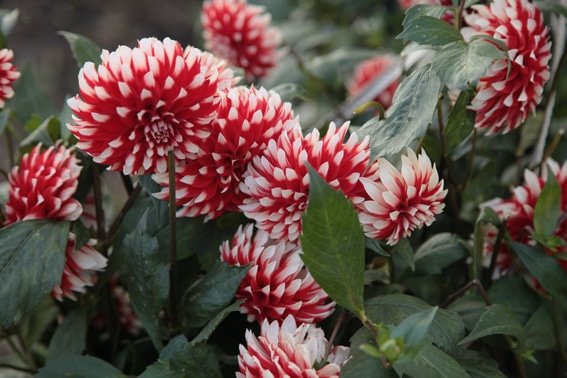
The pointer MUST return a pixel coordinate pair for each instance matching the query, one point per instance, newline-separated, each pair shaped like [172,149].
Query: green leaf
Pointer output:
[427,30]
[73,366]
[333,244]
[513,292]
[539,330]
[548,208]
[290,91]
[431,362]
[30,98]
[47,133]
[360,363]
[145,269]
[421,10]
[208,330]
[179,359]
[32,255]
[438,252]
[405,251]
[84,50]
[4,118]
[70,336]
[495,320]
[374,246]
[477,365]
[544,268]
[409,116]
[446,329]
[414,330]
[213,293]
[486,216]
[460,123]
[461,64]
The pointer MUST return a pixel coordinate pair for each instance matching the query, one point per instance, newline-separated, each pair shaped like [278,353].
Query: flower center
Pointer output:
[159,132]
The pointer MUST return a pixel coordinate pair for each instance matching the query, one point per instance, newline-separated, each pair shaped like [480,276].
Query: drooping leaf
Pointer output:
[438,252]
[460,122]
[421,10]
[431,362]
[32,255]
[548,208]
[427,30]
[477,365]
[208,330]
[213,293]
[70,336]
[495,320]
[539,330]
[47,133]
[513,292]
[74,366]
[405,251]
[414,331]
[408,117]
[84,50]
[333,244]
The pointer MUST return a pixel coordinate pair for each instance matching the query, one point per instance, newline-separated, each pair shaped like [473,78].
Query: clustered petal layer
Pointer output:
[507,95]
[368,70]
[241,33]
[42,186]
[248,118]
[289,350]
[8,74]
[401,201]
[277,182]
[141,103]
[277,284]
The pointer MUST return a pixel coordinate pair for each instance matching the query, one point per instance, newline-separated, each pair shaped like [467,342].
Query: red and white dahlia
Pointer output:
[241,33]
[8,74]
[79,271]
[141,103]
[247,120]
[227,80]
[277,182]
[42,186]
[401,201]
[278,284]
[369,69]
[506,96]
[289,350]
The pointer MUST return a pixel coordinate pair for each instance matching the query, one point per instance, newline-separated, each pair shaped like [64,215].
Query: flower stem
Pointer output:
[97,191]
[338,324]
[172,241]
[558,329]
[120,217]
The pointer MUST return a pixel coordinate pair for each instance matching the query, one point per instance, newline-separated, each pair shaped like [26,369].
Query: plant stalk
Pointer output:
[172,240]
[97,191]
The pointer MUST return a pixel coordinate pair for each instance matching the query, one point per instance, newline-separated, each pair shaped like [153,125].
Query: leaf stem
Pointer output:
[172,240]
[120,217]
[25,349]
[18,368]
[127,181]
[470,164]
[558,328]
[495,252]
[97,191]
[459,293]
[338,323]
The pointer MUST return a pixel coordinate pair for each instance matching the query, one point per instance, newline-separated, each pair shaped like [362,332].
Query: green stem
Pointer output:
[97,191]
[495,252]
[558,329]
[470,164]
[120,217]
[172,241]
[25,349]
[18,368]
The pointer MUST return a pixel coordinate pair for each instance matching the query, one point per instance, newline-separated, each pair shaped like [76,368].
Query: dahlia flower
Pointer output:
[241,33]
[367,71]
[8,74]
[506,96]
[227,80]
[401,201]
[141,103]
[247,120]
[278,284]
[126,316]
[289,350]
[277,182]
[41,187]
[79,271]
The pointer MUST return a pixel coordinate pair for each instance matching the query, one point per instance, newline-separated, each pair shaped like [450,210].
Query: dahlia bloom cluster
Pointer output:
[8,75]
[518,211]
[507,95]
[41,187]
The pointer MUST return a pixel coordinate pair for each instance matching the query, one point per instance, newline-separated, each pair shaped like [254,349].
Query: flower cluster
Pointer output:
[8,74]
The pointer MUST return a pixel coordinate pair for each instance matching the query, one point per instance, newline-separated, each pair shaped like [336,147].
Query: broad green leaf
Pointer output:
[421,10]
[290,91]
[32,255]
[374,246]
[333,244]
[427,30]
[405,251]
[33,326]
[513,292]
[74,366]
[477,365]
[548,208]
[84,50]
[70,336]
[495,320]
[47,133]
[342,60]
[438,252]
[30,98]
[544,268]
[461,64]
[414,330]
[539,330]
[460,122]
[431,362]
[408,117]
[179,359]
[446,329]
[213,293]
[208,330]
[360,364]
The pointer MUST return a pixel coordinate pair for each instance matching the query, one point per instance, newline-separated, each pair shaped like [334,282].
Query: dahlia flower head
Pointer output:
[289,350]
[277,285]
[8,74]
[368,70]
[140,103]
[401,201]
[241,33]
[507,95]
[248,118]
[277,182]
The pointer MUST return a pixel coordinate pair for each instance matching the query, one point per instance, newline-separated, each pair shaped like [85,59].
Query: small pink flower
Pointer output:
[370,69]
[8,74]
[507,95]
[289,350]
[278,284]
[247,120]
[401,201]
[241,33]
[141,103]
[42,186]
